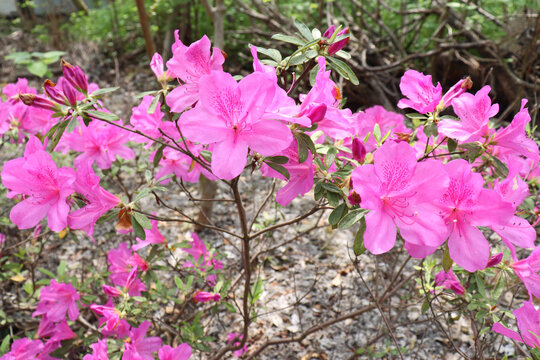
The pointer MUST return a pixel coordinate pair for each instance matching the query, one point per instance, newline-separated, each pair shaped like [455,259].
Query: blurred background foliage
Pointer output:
[496,42]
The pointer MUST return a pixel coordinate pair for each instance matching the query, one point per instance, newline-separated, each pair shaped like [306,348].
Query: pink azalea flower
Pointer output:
[336,122]
[464,205]
[301,175]
[12,91]
[474,111]
[46,188]
[518,231]
[527,270]
[513,140]
[182,352]
[140,347]
[99,200]
[110,316]
[57,299]
[102,143]
[449,281]
[282,106]
[421,95]
[203,296]
[99,351]
[153,236]
[235,335]
[528,320]
[151,124]
[387,121]
[208,262]
[122,260]
[398,191]
[24,349]
[56,332]
[234,122]
[183,166]
[190,64]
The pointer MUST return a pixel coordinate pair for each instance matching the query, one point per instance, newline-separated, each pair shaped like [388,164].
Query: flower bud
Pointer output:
[316,113]
[111,291]
[329,32]
[495,260]
[459,88]
[70,92]
[203,296]
[358,150]
[39,101]
[335,47]
[54,92]
[75,76]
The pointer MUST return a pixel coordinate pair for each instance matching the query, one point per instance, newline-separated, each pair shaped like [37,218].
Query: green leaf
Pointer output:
[58,134]
[500,168]
[330,157]
[230,307]
[304,30]
[18,57]
[499,288]
[37,68]
[331,188]
[377,132]
[179,283]
[280,169]
[535,353]
[297,60]
[103,91]
[337,214]
[425,306]
[352,218]
[277,159]
[480,285]
[271,53]
[344,70]
[358,246]
[137,228]
[431,129]
[473,150]
[447,260]
[101,115]
[47,272]
[288,39]
[158,156]
[416,116]
[153,104]
[142,220]
[4,347]
[452,145]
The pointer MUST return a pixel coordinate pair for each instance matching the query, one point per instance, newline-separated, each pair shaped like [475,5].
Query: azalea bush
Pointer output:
[438,182]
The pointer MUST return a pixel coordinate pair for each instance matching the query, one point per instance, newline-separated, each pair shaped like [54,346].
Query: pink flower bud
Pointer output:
[329,32]
[494,260]
[335,47]
[54,92]
[70,92]
[358,150]
[157,65]
[37,231]
[39,101]
[75,76]
[316,113]
[459,88]
[111,291]
[449,281]
[202,296]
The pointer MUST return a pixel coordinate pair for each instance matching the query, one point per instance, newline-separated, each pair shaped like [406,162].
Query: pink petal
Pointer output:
[380,235]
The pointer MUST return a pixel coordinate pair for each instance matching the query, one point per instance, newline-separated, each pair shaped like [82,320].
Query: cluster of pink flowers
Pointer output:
[430,198]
